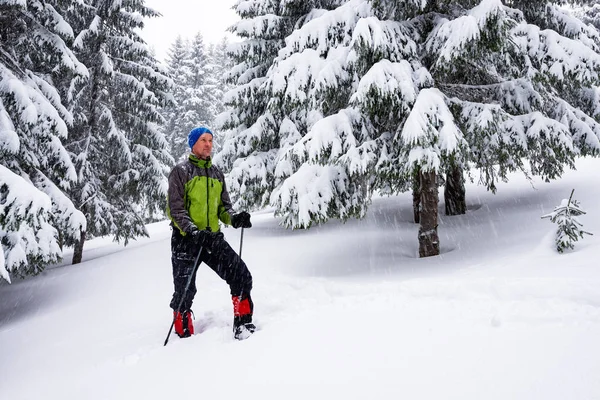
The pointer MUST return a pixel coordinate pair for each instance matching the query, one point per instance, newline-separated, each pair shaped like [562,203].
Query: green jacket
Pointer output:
[197,196]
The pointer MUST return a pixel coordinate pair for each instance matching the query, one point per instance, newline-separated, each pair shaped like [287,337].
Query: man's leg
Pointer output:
[182,259]
[230,267]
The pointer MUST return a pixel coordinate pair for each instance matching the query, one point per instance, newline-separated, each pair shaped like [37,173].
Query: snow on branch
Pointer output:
[263,26]
[558,56]
[334,72]
[451,38]
[563,22]
[328,139]
[27,237]
[519,96]
[585,131]
[391,87]
[545,142]
[312,194]
[329,30]
[9,140]
[387,39]
[244,91]
[71,219]
[291,77]
[430,131]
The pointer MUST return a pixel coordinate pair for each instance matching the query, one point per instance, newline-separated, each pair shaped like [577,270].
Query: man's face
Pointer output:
[203,147]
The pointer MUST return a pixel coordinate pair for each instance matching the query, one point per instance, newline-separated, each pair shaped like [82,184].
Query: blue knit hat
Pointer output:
[195,134]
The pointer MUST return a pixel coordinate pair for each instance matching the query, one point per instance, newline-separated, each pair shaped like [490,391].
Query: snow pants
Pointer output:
[223,260]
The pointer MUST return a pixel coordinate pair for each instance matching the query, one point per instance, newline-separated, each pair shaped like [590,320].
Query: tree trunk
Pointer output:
[429,242]
[78,250]
[454,192]
[416,193]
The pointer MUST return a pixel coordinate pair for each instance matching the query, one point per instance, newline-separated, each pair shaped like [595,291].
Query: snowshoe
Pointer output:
[243,331]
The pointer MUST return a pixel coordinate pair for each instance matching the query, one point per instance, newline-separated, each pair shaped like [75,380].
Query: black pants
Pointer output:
[223,260]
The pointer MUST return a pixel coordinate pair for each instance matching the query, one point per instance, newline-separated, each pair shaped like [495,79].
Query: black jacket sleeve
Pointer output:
[176,200]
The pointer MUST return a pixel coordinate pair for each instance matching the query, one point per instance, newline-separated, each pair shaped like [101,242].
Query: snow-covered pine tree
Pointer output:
[178,69]
[199,102]
[253,134]
[198,94]
[120,154]
[569,227]
[36,218]
[519,96]
[219,68]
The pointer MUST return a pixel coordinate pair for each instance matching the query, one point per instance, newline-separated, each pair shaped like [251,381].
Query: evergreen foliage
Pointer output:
[178,70]
[219,68]
[81,149]
[364,96]
[200,101]
[36,218]
[257,125]
[199,77]
[569,227]
[120,154]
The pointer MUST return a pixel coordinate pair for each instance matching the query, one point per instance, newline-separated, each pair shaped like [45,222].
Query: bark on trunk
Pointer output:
[78,250]
[416,193]
[429,243]
[454,192]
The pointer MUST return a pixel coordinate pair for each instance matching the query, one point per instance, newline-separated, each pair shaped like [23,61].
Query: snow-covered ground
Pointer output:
[345,311]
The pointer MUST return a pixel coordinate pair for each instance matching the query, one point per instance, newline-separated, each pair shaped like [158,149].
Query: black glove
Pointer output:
[209,240]
[199,237]
[241,220]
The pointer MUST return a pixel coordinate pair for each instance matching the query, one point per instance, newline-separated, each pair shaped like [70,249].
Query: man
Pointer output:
[197,199]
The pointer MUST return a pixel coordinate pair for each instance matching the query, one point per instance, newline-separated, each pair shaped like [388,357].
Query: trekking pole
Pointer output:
[241,241]
[187,286]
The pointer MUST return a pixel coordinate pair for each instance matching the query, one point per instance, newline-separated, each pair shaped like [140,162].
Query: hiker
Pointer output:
[197,199]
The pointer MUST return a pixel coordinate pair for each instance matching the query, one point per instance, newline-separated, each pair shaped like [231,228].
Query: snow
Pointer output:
[19,200]
[317,33]
[388,79]
[430,114]
[344,311]
[9,140]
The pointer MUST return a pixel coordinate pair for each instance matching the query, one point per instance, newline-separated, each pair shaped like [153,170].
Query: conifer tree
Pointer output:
[178,70]
[253,124]
[220,65]
[199,101]
[515,89]
[121,156]
[569,227]
[198,92]
[36,218]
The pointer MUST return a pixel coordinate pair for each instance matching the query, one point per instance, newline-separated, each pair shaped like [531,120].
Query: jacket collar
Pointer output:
[200,163]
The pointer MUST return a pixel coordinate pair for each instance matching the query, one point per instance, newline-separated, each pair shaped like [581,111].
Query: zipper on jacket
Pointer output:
[207,202]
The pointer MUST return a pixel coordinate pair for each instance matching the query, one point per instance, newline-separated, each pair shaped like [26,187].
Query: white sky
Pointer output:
[186,18]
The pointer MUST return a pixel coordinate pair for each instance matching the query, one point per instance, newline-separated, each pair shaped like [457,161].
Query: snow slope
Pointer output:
[344,310]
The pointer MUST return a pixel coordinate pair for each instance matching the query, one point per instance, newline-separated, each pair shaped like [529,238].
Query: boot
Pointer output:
[242,317]
[184,326]
[188,322]
[243,331]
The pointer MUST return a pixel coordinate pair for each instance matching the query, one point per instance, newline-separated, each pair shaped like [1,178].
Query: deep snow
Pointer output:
[345,311]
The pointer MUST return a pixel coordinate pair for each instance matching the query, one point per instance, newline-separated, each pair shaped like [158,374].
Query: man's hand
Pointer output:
[241,220]
[206,239]
[198,237]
